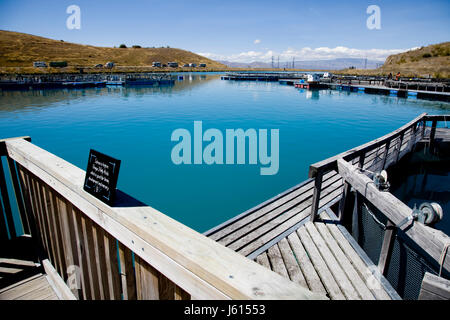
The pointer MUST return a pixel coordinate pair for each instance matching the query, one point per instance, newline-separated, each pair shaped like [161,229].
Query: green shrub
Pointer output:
[136,46]
[426,55]
[123,46]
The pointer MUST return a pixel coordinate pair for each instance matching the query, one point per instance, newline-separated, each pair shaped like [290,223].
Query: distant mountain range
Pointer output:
[334,64]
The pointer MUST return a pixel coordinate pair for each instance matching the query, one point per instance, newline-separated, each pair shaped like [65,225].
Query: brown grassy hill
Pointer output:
[20,50]
[433,60]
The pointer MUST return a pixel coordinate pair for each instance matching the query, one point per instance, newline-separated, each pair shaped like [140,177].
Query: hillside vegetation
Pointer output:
[433,60]
[20,50]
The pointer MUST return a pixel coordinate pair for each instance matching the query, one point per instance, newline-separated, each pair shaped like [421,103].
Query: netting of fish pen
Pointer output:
[408,262]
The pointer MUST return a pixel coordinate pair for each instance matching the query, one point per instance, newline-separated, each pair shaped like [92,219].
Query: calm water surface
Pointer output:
[135,125]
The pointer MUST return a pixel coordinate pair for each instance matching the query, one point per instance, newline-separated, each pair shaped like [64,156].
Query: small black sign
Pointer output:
[101,176]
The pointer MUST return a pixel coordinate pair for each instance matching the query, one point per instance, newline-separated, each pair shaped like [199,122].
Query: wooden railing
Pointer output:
[129,251]
[375,155]
[432,241]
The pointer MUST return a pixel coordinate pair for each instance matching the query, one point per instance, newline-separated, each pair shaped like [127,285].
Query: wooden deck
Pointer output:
[36,287]
[320,254]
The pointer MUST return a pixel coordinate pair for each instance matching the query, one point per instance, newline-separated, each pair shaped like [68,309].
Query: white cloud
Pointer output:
[306,53]
[257,41]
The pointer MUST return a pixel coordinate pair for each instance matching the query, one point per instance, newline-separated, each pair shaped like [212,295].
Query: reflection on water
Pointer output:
[134,124]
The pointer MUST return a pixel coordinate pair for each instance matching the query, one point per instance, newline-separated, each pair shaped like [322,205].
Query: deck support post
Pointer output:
[316,195]
[397,155]
[6,203]
[342,202]
[386,248]
[432,134]
[19,199]
[386,151]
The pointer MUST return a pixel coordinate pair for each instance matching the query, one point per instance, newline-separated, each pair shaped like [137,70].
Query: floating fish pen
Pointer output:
[64,243]
[83,81]
[261,76]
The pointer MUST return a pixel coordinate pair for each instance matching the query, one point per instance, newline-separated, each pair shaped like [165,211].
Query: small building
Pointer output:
[109,65]
[156,64]
[39,64]
[192,65]
[58,64]
[172,64]
[202,65]
[186,65]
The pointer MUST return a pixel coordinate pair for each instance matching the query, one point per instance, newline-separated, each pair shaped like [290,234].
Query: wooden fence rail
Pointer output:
[432,240]
[377,154]
[129,251]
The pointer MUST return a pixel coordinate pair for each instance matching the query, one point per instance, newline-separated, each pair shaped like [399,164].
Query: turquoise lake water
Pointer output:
[135,126]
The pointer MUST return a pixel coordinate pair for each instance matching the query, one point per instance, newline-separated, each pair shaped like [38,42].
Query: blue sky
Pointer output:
[239,30]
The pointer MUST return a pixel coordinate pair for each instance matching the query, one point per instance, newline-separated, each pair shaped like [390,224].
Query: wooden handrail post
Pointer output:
[6,203]
[386,151]
[432,134]
[397,152]
[386,248]
[342,202]
[316,195]
[19,198]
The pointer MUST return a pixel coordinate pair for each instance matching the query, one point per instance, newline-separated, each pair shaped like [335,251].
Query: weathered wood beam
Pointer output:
[434,288]
[386,248]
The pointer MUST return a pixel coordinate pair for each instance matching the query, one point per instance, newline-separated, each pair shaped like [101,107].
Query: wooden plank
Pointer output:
[320,266]
[166,244]
[311,276]
[24,288]
[358,283]
[166,288]
[3,225]
[434,288]
[386,248]
[70,243]
[112,266]
[100,260]
[27,201]
[19,199]
[59,286]
[180,294]
[147,280]
[223,233]
[277,262]
[34,192]
[80,249]
[56,222]
[225,226]
[362,268]
[45,215]
[395,210]
[263,260]
[128,279]
[89,256]
[292,267]
[6,203]
[280,213]
[252,241]
[316,195]
[343,201]
[333,265]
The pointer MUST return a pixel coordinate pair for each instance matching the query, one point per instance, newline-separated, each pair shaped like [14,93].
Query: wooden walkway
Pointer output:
[320,256]
[36,287]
